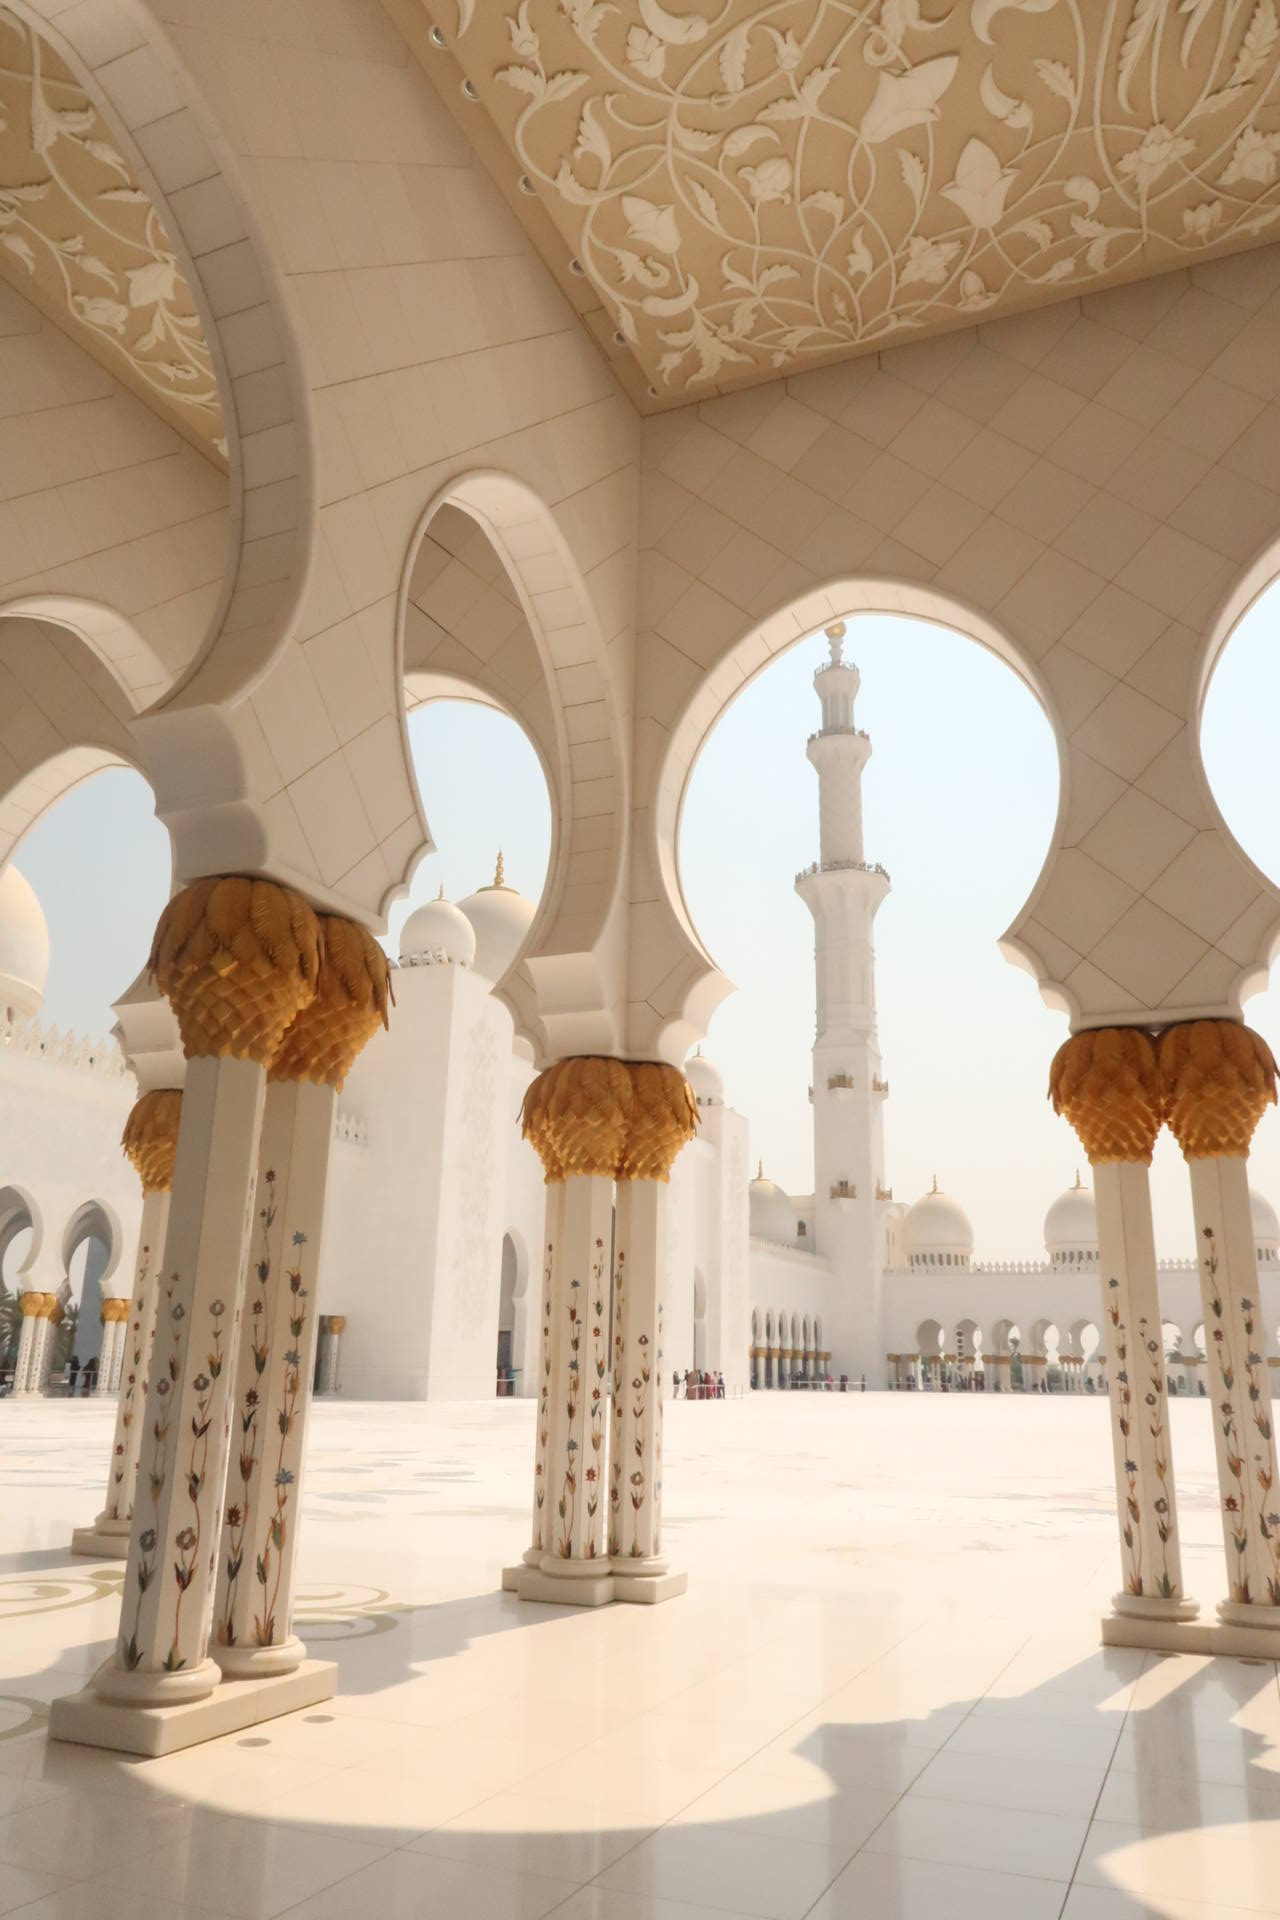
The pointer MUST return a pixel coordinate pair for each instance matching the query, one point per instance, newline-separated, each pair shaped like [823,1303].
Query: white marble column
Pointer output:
[1108,1085]
[1240,1391]
[573,1568]
[275,1363]
[1150,1552]
[47,1341]
[539,1531]
[1218,1078]
[114,1314]
[35,1308]
[161,1655]
[108,1536]
[641,1572]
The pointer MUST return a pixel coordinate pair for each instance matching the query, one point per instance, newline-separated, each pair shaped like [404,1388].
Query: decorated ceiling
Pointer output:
[754,187]
[81,239]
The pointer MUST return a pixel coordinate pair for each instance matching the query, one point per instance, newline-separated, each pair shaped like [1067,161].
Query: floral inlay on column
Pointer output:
[664,1119]
[265,1572]
[277,1350]
[254,1337]
[544,1403]
[1219,1078]
[1107,1084]
[237,958]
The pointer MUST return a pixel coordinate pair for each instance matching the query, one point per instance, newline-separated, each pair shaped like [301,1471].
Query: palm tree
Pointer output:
[10,1328]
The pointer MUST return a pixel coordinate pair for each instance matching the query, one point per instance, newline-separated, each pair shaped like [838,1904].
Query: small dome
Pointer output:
[772,1215]
[501,918]
[1266,1226]
[1071,1225]
[439,931]
[24,946]
[706,1079]
[937,1231]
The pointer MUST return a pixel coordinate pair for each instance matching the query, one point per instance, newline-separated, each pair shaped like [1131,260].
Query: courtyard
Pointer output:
[882,1696]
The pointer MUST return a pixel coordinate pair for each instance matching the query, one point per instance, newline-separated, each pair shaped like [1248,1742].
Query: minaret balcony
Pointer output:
[880,1087]
[843,1195]
[842,866]
[840,1086]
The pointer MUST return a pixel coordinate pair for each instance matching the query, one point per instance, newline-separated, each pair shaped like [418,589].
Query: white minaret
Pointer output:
[843,893]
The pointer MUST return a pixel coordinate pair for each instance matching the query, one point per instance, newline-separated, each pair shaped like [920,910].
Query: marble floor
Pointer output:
[882,1696]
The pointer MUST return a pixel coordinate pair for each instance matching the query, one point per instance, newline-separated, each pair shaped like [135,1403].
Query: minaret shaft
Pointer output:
[843,893]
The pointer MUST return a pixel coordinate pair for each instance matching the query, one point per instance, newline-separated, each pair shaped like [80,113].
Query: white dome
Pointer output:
[501,918]
[937,1230]
[438,931]
[1266,1225]
[1071,1224]
[772,1215]
[24,946]
[706,1079]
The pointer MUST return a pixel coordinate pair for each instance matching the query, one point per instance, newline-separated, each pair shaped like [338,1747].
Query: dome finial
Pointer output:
[440,895]
[1079,1185]
[498,879]
[759,1169]
[935,1188]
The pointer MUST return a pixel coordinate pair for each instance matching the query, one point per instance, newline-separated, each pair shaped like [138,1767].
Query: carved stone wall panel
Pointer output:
[754,189]
[80,238]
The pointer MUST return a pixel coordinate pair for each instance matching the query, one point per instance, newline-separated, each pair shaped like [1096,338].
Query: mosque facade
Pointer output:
[430,1275]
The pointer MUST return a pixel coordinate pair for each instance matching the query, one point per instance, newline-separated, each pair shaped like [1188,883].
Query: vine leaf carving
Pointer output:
[875,171]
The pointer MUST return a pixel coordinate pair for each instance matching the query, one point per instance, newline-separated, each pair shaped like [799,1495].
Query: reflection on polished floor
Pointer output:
[882,1697]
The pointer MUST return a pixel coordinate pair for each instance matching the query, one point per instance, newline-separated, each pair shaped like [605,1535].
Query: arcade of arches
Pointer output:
[372,354]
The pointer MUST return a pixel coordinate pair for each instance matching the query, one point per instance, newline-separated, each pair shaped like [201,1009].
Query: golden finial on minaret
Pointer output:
[759,1169]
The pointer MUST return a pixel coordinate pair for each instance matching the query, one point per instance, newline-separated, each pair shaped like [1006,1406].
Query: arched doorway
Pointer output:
[91,1248]
[17,1245]
[507,1382]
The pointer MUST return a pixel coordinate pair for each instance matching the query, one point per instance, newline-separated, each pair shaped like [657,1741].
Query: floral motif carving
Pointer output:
[255,1342]
[544,1402]
[753,188]
[583,1432]
[80,237]
[1235,1370]
[1149,1359]
[271,1553]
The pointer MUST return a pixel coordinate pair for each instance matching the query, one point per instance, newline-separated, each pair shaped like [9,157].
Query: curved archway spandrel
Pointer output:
[152,106]
[565,990]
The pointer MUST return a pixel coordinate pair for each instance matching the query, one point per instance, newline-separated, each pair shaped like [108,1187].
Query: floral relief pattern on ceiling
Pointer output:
[80,237]
[753,188]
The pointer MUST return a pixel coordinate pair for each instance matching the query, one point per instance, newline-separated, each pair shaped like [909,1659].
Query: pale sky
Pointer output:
[959,805]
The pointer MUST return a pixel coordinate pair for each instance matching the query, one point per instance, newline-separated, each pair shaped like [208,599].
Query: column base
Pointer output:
[260,1663]
[1152,1606]
[144,1687]
[86,1717]
[1193,1636]
[566,1583]
[106,1539]
[647,1589]
[531,1557]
